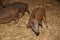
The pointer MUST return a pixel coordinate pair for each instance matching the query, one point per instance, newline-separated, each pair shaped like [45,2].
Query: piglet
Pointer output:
[23,7]
[8,14]
[37,16]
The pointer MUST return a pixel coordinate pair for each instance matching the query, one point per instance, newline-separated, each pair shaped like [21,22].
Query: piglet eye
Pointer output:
[32,23]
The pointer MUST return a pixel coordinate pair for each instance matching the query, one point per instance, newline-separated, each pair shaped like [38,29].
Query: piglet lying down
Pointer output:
[8,14]
[37,16]
[11,12]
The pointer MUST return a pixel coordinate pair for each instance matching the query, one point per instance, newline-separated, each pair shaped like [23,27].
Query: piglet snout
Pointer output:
[36,31]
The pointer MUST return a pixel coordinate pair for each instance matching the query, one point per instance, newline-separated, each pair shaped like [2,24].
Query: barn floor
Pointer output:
[20,31]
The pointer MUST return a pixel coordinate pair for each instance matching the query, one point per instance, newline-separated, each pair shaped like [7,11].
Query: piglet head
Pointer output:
[34,27]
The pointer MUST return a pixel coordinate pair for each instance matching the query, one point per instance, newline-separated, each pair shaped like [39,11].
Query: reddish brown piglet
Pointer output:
[36,18]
